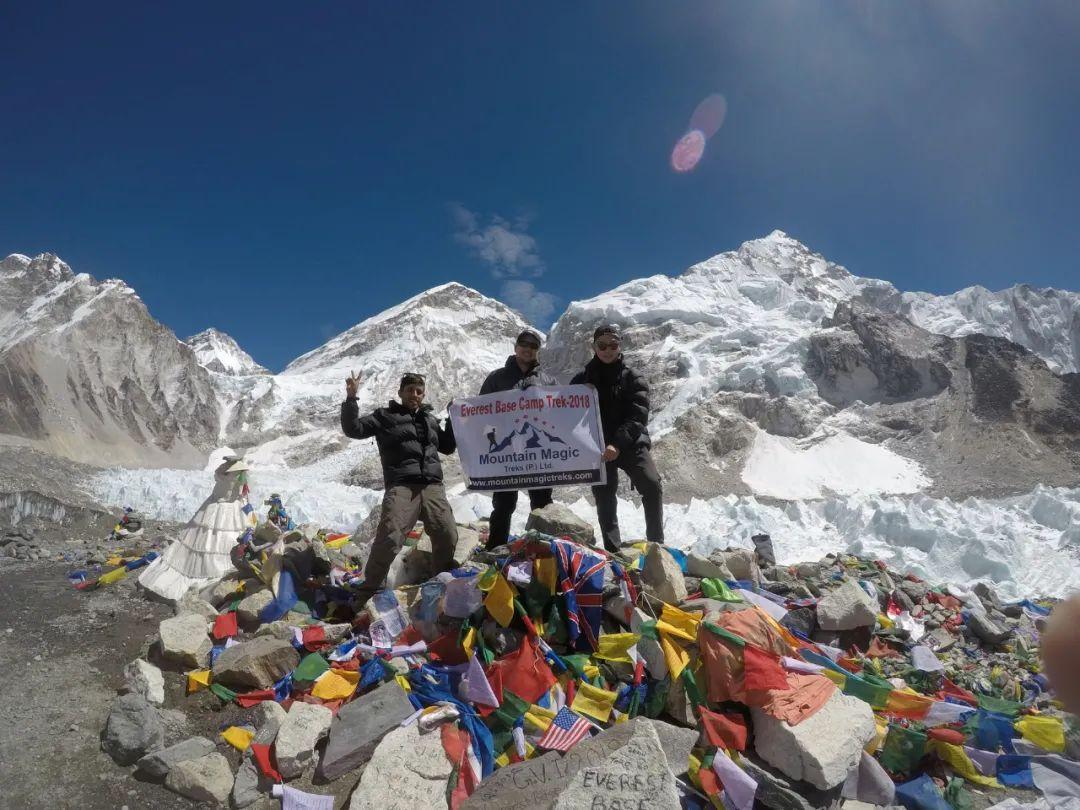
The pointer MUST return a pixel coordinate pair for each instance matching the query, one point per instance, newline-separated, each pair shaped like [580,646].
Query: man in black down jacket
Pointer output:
[624,414]
[521,370]
[410,439]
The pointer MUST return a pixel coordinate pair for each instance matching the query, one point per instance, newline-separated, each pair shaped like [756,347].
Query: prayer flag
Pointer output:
[225,626]
[500,600]
[727,730]
[593,701]
[332,686]
[238,738]
[616,647]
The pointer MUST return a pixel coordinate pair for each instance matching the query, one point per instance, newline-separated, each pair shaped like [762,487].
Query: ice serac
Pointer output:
[86,373]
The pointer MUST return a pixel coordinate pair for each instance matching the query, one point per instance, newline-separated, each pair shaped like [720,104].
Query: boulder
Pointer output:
[822,749]
[468,540]
[267,719]
[359,727]
[676,743]
[623,766]
[679,707]
[777,792]
[222,591]
[184,640]
[559,520]
[741,563]
[847,608]
[206,779]
[255,664]
[191,603]
[279,630]
[249,785]
[649,648]
[157,764]
[916,590]
[133,729]
[407,769]
[247,612]
[869,782]
[303,727]
[986,630]
[143,678]
[662,575]
[702,567]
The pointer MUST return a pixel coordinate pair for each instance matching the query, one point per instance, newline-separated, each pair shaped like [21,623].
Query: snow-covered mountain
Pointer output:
[217,351]
[87,374]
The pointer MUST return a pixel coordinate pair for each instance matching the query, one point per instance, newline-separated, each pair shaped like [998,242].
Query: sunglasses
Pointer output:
[534,346]
[605,344]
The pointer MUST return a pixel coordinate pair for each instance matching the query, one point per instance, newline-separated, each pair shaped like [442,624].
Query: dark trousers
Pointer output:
[502,508]
[402,506]
[639,467]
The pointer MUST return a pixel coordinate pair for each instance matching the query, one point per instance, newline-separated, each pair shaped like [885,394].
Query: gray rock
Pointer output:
[279,630]
[846,608]
[249,785]
[649,648]
[191,603]
[158,764]
[407,769]
[678,706]
[501,640]
[255,664]
[359,727]
[621,767]
[741,563]
[662,575]
[133,729]
[559,520]
[986,630]
[823,748]
[143,678]
[869,782]
[222,591]
[247,612]
[916,590]
[698,566]
[677,743]
[207,779]
[902,599]
[777,792]
[184,640]
[304,726]
[267,719]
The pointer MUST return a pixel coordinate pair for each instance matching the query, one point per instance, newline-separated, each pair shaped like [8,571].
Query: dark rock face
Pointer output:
[875,357]
[992,363]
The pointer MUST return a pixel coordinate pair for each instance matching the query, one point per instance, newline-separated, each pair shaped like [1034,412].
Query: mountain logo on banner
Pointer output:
[526,436]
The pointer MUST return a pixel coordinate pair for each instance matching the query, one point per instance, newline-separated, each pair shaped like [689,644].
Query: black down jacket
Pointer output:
[624,402]
[409,443]
[511,376]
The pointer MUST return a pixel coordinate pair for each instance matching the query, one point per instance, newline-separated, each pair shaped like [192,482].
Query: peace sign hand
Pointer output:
[352,384]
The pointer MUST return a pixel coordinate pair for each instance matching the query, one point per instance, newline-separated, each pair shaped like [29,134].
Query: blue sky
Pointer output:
[282,171]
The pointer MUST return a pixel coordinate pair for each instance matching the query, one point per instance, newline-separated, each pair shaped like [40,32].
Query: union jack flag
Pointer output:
[565,731]
[581,582]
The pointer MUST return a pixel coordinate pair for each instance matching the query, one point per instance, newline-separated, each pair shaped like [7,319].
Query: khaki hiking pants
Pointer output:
[402,506]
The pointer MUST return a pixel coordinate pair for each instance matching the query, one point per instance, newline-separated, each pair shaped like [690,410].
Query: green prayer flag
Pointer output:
[577,663]
[223,692]
[876,696]
[657,700]
[713,588]
[511,709]
[693,692]
[311,667]
[999,705]
[726,635]
[904,748]
[955,794]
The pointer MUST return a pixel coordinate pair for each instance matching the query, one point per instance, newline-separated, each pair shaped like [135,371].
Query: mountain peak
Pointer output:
[43,266]
[217,351]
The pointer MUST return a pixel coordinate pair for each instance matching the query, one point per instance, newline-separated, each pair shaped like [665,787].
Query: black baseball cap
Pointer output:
[530,337]
[411,378]
[607,329]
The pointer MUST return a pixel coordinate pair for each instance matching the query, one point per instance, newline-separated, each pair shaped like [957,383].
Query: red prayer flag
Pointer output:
[261,753]
[314,637]
[494,677]
[525,672]
[946,735]
[726,730]
[762,670]
[709,781]
[447,650]
[225,626]
[249,699]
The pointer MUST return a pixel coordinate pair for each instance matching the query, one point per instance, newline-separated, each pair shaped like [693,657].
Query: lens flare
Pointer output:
[706,121]
[688,151]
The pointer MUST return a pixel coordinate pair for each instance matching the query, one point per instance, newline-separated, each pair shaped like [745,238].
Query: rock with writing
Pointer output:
[359,727]
[622,768]
[409,769]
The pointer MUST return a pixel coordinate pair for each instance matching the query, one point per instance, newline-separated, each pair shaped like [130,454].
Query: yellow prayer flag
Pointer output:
[616,646]
[955,757]
[238,738]
[546,571]
[468,642]
[675,656]
[199,679]
[539,718]
[679,622]
[503,759]
[885,621]
[1046,732]
[114,560]
[593,701]
[352,676]
[486,581]
[881,731]
[500,601]
[403,682]
[113,576]
[338,542]
[591,671]
[331,686]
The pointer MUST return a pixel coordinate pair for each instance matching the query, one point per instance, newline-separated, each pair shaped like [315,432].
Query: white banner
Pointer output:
[530,439]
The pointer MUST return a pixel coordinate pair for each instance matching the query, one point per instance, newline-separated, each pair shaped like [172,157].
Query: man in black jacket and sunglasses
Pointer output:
[623,397]
[410,439]
[522,369]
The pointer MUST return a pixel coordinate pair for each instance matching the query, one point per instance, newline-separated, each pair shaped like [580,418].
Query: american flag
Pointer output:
[565,731]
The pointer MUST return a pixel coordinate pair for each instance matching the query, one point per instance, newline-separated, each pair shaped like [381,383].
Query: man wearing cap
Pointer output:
[410,439]
[522,369]
[624,414]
